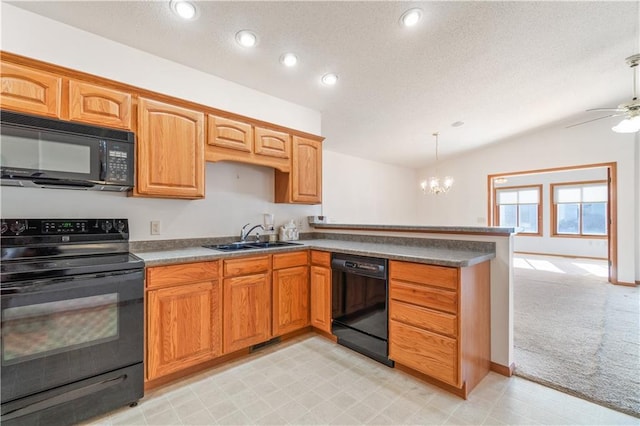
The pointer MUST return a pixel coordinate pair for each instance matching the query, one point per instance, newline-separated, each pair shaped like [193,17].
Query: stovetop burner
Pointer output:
[45,248]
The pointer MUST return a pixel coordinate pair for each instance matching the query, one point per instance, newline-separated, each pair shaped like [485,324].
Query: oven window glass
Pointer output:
[29,152]
[39,330]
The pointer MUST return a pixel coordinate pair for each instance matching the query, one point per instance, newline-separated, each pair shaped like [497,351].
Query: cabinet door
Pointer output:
[231,134]
[320,282]
[170,144]
[247,311]
[183,327]
[271,143]
[27,90]
[306,171]
[290,299]
[98,105]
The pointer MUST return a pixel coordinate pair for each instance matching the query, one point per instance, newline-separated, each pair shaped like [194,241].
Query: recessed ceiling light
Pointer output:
[184,9]
[330,79]
[457,124]
[411,17]
[289,59]
[246,38]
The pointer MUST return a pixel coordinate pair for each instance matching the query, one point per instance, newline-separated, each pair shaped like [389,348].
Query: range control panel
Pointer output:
[36,227]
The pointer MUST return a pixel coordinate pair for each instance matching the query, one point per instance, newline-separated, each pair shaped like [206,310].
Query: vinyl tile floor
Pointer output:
[311,380]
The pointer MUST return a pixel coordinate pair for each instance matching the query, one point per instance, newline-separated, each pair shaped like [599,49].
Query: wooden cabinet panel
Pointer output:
[321,258]
[320,289]
[288,260]
[306,171]
[271,143]
[231,134]
[247,311]
[183,327]
[93,104]
[31,91]
[431,297]
[303,184]
[439,276]
[428,319]
[290,299]
[245,266]
[424,351]
[170,161]
[162,276]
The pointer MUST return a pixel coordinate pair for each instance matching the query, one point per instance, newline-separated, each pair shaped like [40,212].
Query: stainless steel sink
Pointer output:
[247,245]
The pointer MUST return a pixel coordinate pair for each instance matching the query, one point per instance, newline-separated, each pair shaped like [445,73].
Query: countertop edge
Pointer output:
[173,257]
[467,230]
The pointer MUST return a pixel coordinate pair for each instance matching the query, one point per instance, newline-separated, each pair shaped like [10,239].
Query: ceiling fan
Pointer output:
[630,110]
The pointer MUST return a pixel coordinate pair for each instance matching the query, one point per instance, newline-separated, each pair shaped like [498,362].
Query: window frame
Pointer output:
[554,211]
[496,207]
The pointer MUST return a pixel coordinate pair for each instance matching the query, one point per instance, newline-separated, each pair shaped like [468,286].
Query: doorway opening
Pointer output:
[538,201]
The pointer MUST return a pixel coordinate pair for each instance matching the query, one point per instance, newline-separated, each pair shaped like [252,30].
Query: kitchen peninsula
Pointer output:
[416,266]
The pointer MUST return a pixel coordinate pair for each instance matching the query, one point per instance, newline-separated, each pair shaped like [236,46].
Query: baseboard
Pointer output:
[503,369]
[625,284]
[326,335]
[570,256]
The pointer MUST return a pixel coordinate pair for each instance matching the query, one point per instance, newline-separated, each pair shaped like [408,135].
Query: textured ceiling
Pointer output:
[504,68]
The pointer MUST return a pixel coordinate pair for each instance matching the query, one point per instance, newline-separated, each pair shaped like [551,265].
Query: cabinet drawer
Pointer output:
[321,258]
[162,276]
[288,260]
[93,104]
[428,297]
[427,352]
[439,276]
[428,319]
[245,266]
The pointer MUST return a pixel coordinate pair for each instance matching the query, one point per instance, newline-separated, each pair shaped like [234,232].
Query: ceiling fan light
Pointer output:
[628,125]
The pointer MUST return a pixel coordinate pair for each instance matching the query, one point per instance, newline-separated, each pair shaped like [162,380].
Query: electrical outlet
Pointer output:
[155,227]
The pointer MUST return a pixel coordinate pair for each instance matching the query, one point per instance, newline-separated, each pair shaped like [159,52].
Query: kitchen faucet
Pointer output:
[244,235]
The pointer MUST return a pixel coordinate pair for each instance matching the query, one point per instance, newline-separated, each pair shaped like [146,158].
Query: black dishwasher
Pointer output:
[359,305]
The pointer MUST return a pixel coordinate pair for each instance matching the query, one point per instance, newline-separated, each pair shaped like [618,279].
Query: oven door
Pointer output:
[62,330]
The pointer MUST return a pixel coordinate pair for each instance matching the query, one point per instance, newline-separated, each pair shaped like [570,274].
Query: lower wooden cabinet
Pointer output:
[439,321]
[320,289]
[247,302]
[183,317]
[290,292]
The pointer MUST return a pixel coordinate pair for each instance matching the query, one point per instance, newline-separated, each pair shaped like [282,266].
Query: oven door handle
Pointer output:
[62,398]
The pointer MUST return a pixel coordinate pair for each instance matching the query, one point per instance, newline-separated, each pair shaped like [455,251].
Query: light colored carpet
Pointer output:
[575,332]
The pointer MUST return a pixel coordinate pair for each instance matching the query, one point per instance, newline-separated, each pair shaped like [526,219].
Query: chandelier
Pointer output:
[434,184]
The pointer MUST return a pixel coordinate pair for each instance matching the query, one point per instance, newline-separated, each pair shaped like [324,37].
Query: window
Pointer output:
[519,207]
[580,209]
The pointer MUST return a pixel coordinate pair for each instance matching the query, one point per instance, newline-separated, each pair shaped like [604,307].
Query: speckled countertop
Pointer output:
[435,255]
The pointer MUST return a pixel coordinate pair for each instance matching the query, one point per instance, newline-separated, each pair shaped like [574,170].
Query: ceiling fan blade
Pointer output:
[607,109]
[595,119]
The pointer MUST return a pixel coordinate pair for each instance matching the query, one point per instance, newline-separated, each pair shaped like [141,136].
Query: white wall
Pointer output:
[362,191]
[545,244]
[591,143]
[235,193]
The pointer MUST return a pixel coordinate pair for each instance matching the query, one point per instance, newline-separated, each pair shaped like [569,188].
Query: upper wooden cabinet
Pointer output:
[234,140]
[93,104]
[229,134]
[270,143]
[170,148]
[30,91]
[304,184]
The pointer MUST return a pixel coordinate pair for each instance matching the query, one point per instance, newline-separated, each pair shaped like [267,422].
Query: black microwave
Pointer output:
[49,153]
